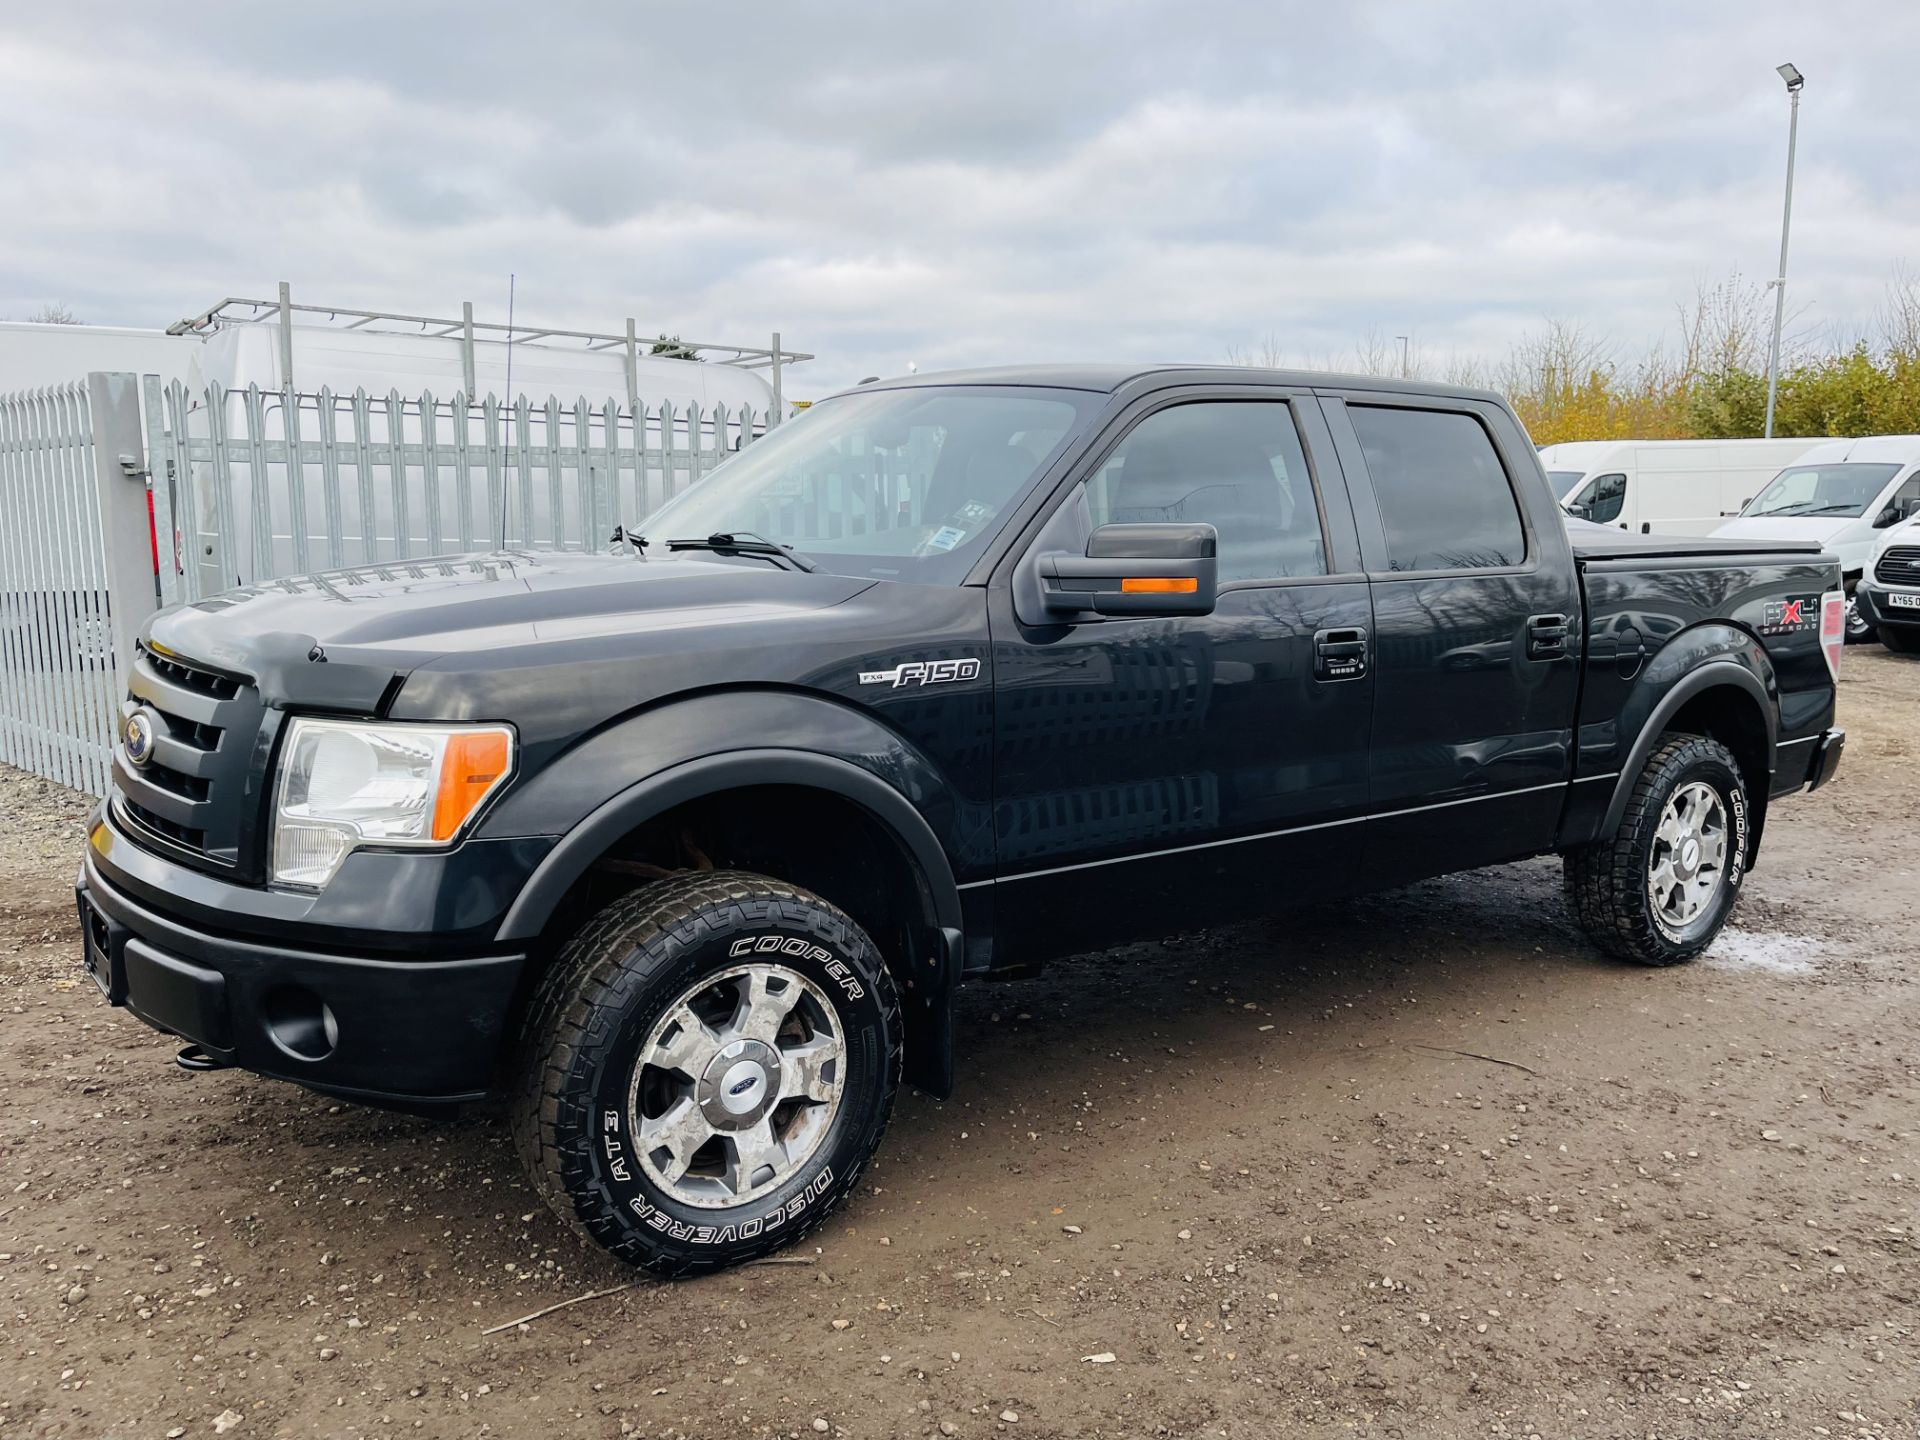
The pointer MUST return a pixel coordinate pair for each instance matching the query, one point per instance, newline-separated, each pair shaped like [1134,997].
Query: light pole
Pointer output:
[1795,80]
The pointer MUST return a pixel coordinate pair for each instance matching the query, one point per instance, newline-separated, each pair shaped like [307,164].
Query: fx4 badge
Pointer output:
[1790,617]
[923,672]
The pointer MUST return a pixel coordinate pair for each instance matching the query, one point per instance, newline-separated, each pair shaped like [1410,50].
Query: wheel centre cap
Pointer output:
[740,1085]
[1689,855]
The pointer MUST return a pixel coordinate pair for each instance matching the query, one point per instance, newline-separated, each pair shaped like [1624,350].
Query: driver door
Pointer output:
[1164,773]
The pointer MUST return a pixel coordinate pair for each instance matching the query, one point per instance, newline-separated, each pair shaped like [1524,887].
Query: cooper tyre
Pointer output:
[1659,889]
[706,1070]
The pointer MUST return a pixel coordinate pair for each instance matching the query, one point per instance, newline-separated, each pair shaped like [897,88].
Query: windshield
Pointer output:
[888,484]
[1832,490]
[1563,481]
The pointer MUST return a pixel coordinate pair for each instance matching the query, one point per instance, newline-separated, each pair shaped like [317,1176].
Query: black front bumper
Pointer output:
[1874,609]
[409,1033]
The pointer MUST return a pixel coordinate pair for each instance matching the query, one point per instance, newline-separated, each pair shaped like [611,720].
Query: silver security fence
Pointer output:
[119,494]
[259,485]
[58,689]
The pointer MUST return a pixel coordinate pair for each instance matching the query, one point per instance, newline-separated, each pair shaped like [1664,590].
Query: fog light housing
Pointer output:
[300,1023]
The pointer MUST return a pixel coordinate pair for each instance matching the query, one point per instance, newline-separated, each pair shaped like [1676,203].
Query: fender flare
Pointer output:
[1695,682]
[593,836]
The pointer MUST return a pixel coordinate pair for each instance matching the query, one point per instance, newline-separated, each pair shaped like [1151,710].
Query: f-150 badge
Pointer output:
[923,672]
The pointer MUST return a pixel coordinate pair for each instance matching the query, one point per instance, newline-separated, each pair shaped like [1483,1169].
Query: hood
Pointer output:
[341,636]
[1787,527]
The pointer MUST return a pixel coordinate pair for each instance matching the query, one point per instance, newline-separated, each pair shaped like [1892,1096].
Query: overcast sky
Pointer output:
[960,183]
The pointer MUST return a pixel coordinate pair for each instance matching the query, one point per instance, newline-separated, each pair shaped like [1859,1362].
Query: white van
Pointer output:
[1570,462]
[1667,487]
[1842,493]
[34,356]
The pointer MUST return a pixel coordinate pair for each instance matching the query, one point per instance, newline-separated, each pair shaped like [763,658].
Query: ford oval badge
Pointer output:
[139,740]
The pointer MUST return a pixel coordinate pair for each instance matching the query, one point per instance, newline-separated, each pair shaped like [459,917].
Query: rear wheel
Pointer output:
[1658,890]
[707,1069]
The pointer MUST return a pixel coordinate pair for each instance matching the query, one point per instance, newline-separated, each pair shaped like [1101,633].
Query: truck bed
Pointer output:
[1597,542]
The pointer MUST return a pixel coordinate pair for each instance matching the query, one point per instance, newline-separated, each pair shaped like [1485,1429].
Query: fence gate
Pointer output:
[58,686]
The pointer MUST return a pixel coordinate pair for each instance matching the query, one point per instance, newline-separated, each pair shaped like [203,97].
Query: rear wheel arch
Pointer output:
[1724,699]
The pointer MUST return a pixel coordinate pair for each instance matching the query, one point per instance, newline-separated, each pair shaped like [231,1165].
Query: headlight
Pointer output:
[346,783]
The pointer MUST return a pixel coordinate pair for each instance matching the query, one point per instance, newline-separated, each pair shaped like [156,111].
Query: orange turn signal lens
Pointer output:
[475,761]
[1160,585]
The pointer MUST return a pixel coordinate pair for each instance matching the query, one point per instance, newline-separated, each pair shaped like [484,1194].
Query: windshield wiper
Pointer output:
[744,542]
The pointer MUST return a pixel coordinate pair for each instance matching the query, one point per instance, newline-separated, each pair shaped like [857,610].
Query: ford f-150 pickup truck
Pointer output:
[685,848]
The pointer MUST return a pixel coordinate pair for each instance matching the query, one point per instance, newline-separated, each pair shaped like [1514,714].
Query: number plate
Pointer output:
[1901,600]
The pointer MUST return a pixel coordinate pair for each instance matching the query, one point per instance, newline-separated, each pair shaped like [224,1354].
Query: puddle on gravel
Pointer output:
[1751,950]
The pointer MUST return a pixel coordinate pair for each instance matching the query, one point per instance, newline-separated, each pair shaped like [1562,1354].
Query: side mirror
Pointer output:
[1580,512]
[1889,516]
[1147,569]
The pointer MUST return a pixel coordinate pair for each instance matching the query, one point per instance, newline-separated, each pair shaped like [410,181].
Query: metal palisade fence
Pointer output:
[57,687]
[119,494]
[262,485]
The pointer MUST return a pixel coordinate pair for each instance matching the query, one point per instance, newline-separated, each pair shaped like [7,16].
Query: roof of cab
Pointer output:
[1884,449]
[1106,379]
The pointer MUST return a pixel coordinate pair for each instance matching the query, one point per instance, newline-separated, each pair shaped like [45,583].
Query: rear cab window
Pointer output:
[1444,498]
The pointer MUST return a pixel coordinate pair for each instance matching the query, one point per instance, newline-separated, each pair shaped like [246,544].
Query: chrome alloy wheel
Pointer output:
[1688,862]
[737,1085]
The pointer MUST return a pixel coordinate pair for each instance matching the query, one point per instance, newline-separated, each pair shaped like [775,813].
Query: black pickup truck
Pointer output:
[684,848]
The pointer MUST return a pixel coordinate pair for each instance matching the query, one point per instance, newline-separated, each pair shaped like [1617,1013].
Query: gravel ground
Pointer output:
[1423,1166]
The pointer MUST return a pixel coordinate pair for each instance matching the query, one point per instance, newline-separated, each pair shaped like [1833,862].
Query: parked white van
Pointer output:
[1571,461]
[1667,487]
[1842,493]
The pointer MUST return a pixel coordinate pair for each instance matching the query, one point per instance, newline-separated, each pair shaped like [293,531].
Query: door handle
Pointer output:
[1340,654]
[1546,637]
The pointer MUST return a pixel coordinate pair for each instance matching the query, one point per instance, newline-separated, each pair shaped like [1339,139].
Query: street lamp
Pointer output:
[1795,80]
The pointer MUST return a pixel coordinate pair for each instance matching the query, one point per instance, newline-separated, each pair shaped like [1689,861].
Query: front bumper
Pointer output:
[413,1033]
[1871,597]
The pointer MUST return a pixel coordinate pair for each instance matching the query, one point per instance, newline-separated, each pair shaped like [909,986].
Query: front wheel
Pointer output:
[1660,887]
[1859,629]
[707,1068]
[1899,639]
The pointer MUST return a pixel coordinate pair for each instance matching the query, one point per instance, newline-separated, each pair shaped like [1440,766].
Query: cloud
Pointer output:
[959,184]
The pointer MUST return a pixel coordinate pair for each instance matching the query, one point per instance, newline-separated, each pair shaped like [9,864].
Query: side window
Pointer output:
[1444,499]
[1905,503]
[1234,464]
[1609,494]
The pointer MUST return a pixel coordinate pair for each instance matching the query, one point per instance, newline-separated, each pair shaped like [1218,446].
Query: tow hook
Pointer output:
[198,1057]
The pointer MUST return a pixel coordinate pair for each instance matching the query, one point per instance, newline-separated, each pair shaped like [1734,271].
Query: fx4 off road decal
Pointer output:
[620,1168]
[1793,616]
[923,672]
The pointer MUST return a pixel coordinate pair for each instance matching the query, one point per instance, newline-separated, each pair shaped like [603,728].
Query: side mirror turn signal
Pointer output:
[1159,568]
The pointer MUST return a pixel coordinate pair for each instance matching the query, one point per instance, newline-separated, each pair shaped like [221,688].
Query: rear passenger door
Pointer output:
[1476,615]
[1157,773]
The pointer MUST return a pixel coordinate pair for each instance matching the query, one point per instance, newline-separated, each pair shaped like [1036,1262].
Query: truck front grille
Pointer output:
[1899,566]
[190,797]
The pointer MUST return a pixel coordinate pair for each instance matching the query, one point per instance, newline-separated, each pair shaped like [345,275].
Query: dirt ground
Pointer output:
[1422,1166]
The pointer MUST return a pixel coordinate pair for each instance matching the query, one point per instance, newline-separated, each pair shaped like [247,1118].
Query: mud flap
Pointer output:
[927,1009]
